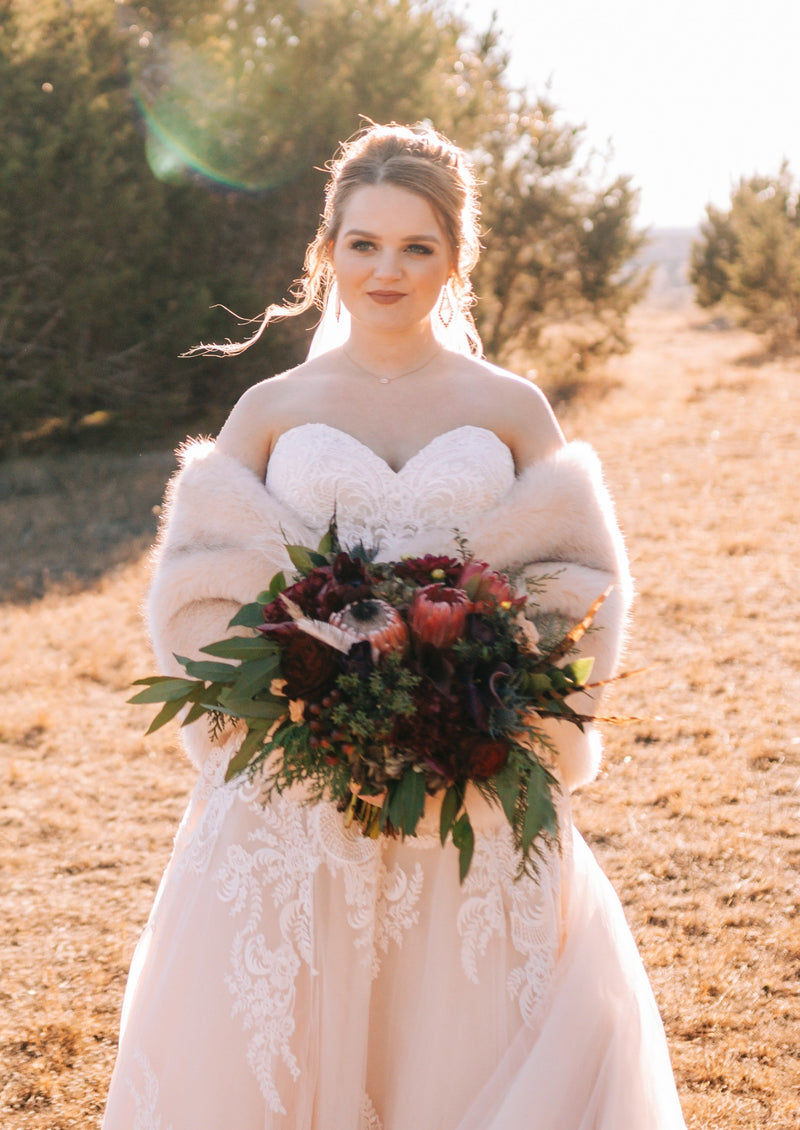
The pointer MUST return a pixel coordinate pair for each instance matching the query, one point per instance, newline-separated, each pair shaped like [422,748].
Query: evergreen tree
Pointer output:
[748,257]
[161,158]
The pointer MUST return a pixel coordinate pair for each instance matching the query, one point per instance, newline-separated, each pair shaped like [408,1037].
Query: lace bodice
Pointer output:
[318,470]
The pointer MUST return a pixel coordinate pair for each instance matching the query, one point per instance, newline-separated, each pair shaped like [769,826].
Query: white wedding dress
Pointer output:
[295,975]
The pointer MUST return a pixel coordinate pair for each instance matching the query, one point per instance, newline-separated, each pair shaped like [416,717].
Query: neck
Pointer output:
[388,355]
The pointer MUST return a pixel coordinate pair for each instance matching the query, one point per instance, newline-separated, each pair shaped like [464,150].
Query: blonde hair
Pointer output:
[416,158]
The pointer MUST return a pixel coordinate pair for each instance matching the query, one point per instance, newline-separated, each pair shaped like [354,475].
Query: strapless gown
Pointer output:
[295,975]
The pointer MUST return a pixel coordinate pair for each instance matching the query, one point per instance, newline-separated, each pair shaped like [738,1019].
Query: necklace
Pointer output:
[395,376]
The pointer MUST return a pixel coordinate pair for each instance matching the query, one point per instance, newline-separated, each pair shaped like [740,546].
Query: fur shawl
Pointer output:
[223,536]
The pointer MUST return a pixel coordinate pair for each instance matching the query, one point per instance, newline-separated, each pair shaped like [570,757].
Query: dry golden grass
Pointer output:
[694,816]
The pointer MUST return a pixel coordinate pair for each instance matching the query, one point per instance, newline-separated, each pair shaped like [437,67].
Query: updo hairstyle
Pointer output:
[417,159]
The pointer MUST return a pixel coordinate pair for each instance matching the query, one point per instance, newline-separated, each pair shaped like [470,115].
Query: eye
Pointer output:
[419,249]
[362,245]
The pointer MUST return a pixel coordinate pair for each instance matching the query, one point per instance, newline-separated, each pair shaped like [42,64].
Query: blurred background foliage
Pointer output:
[160,158]
[747,258]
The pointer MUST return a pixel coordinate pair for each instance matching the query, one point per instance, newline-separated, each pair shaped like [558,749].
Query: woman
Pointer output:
[295,974]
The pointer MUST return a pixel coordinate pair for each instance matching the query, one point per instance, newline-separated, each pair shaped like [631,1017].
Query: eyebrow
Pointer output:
[406,239]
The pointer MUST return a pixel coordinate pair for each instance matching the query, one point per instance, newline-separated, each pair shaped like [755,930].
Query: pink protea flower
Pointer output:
[485,587]
[438,615]
[375,621]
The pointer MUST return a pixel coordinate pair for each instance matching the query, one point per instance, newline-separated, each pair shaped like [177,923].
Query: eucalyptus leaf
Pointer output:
[464,840]
[165,714]
[241,707]
[450,805]
[408,802]
[248,616]
[507,783]
[197,711]
[207,670]
[256,675]
[165,689]
[240,647]
[244,754]
[540,813]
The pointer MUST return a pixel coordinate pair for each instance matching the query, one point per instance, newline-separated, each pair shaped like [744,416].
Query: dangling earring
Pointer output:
[446,309]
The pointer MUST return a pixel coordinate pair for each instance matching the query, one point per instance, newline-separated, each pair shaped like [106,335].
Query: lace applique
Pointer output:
[459,473]
[146,1100]
[368,1119]
[531,906]
[200,827]
[262,979]
[381,901]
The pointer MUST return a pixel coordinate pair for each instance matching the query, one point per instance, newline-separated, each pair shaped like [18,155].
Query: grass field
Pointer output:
[694,816]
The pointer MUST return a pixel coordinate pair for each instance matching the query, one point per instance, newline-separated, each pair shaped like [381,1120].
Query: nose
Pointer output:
[388,265]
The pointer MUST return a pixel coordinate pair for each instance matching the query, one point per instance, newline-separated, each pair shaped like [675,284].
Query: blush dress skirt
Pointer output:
[295,975]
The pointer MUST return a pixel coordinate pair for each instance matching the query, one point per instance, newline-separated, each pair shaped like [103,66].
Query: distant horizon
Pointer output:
[690,99]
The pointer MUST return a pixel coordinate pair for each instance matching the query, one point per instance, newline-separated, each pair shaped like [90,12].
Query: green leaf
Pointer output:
[451,803]
[276,586]
[244,754]
[164,689]
[540,813]
[240,647]
[197,711]
[256,675]
[240,707]
[507,783]
[409,801]
[538,683]
[248,616]
[464,840]
[325,546]
[304,559]
[165,714]
[579,670]
[207,670]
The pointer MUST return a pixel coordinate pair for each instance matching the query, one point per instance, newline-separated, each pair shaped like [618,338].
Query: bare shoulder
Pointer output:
[257,417]
[519,412]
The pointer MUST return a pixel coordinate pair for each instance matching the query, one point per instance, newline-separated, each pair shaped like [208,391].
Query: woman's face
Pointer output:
[391,258]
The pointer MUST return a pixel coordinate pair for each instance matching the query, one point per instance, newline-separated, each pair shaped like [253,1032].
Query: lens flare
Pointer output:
[222,107]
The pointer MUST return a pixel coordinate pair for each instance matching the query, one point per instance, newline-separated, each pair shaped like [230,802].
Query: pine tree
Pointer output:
[748,257]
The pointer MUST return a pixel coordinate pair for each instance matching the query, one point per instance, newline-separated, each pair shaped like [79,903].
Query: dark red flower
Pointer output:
[482,756]
[308,666]
[348,570]
[421,569]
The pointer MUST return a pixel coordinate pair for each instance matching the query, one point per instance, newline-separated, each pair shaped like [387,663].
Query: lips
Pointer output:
[386,297]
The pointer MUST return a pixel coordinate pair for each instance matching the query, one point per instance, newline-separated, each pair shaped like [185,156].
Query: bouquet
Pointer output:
[375,685]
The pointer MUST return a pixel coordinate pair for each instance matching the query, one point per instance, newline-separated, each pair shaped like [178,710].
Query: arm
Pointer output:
[222,539]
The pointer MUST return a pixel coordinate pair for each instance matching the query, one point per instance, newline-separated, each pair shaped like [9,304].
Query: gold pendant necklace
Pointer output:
[396,376]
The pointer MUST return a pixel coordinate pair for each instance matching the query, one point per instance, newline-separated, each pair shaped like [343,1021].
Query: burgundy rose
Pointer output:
[305,593]
[482,757]
[308,666]
[335,596]
[438,615]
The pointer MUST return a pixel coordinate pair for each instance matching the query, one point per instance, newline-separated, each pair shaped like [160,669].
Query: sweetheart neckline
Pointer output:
[365,446]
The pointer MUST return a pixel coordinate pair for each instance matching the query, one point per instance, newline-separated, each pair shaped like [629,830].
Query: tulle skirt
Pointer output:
[295,975]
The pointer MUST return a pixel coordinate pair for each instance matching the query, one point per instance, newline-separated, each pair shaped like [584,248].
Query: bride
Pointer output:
[295,975]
